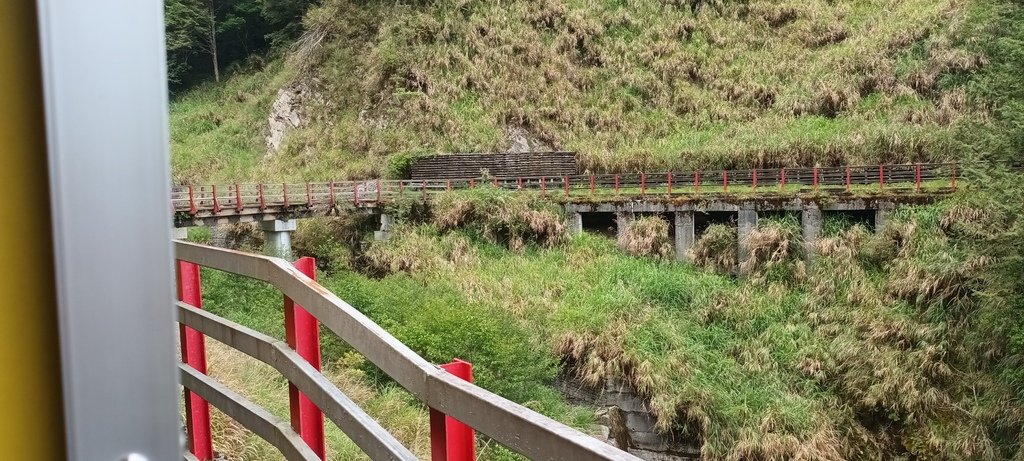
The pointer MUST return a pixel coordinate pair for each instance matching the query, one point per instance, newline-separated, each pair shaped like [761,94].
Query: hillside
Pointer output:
[648,84]
[901,345]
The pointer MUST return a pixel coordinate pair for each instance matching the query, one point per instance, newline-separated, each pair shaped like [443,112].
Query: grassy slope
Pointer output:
[891,354]
[648,85]
[876,355]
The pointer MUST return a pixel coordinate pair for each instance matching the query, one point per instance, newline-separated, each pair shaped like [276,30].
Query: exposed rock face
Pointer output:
[521,141]
[285,114]
[626,420]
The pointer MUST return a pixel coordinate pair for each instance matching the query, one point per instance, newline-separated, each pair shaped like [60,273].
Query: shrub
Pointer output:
[501,217]
[646,236]
[333,241]
[776,252]
[413,249]
[717,249]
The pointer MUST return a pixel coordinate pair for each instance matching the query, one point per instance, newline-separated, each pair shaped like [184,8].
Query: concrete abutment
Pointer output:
[685,234]
[278,237]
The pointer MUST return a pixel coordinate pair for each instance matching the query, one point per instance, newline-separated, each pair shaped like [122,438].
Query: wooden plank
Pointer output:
[265,425]
[364,431]
[518,428]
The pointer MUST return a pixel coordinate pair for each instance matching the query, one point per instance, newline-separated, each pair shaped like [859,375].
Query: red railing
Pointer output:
[457,408]
[236,198]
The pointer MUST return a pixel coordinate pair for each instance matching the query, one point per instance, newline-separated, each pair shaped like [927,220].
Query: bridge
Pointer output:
[689,201]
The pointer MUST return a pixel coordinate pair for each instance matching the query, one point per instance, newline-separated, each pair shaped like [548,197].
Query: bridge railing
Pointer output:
[283,197]
[306,306]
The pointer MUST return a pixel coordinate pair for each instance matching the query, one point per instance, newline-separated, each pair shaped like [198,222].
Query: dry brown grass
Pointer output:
[646,236]
[717,249]
[263,386]
[776,253]
[648,85]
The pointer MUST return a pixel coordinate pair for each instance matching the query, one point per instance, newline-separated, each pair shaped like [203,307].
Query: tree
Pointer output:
[225,31]
[184,20]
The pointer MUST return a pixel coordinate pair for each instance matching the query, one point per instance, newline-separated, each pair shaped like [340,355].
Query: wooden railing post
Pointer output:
[302,332]
[451,440]
[193,354]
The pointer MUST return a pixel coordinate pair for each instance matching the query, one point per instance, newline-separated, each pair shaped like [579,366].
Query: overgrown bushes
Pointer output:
[646,236]
[776,252]
[502,217]
[717,249]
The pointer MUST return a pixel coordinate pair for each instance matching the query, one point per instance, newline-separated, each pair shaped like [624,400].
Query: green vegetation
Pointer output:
[648,85]
[900,344]
[903,345]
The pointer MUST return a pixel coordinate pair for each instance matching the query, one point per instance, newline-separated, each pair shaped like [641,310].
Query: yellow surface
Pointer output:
[31,426]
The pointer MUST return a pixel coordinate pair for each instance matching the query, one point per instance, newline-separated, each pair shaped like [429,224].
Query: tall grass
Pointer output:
[648,85]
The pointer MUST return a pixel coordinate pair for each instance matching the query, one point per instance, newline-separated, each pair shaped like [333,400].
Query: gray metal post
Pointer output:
[684,234]
[811,219]
[278,237]
[114,283]
[746,223]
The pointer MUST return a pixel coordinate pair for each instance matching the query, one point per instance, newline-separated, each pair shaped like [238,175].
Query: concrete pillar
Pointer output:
[622,221]
[574,223]
[882,216]
[387,222]
[278,237]
[179,233]
[746,221]
[684,234]
[811,219]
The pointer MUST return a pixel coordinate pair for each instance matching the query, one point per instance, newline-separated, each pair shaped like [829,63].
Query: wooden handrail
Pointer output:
[518,428]
[251,416]
[362,429]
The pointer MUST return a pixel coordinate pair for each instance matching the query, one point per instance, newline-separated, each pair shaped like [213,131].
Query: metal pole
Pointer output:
[193,353]
[302,332]
[451,440]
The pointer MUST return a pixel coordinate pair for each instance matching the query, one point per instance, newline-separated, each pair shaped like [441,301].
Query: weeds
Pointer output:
[646,236]
[717,249]
[649,86]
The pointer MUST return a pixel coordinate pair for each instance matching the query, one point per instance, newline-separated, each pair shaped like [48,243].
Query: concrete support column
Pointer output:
[179,233]
[387,222]
[684,234]
[746,223]
[882,215]
[811,219]
[574,223]
[622,221]
[278,237]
